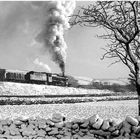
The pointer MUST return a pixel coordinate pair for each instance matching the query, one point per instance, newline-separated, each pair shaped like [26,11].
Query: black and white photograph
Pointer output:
[70,69]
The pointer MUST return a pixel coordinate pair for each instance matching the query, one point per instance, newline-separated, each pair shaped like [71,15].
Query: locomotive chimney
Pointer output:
[63,71]
[62,67]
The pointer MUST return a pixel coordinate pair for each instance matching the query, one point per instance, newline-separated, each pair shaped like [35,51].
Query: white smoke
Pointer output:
[52,33]
[41,64]
[22,21]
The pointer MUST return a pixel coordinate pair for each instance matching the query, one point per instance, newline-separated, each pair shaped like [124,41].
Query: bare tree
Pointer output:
[120,19]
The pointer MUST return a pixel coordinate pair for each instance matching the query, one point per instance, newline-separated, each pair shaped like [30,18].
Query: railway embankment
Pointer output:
[22,89]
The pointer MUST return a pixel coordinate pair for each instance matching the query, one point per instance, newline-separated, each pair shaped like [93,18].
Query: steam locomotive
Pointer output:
[33,77]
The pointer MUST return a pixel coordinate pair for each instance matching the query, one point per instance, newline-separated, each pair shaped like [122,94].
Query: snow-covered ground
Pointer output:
[11,88]
[106,109]
[87,80]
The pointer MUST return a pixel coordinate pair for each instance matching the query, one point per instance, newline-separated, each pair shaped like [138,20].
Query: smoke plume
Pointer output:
[52,33]
[41,64]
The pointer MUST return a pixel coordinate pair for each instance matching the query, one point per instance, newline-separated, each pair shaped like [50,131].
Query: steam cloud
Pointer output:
[52,33]
[40,21]
[41,64]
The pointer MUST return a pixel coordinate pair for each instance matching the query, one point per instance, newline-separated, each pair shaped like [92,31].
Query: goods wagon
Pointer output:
[2,74]
[14,76]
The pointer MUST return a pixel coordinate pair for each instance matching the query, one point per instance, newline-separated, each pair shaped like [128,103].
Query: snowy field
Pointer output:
[105,109]
[19,89]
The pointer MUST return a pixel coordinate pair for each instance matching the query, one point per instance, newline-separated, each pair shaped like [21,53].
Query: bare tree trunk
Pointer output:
[138,92]
[139,105]
[138,89]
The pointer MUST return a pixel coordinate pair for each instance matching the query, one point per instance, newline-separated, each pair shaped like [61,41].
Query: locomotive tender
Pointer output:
[33,77]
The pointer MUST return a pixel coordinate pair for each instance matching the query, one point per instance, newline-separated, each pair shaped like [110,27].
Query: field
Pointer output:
[36,102]
[28,100]
[105,109]
[20,94]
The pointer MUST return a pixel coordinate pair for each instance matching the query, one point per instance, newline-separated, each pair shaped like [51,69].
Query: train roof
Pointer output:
[17,71]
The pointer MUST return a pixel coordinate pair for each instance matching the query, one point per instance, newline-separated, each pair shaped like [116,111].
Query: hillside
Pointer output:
[22,89]
[87,80]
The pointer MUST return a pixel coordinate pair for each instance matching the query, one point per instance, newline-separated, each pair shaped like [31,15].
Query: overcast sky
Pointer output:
[19,24]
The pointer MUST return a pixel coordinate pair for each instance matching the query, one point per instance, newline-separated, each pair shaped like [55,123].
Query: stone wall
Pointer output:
[57,127]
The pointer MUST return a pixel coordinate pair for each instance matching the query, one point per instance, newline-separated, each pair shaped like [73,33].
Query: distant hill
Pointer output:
[83,80]
[87,80]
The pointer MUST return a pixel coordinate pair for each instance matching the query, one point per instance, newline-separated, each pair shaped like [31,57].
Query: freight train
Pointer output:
[33,77]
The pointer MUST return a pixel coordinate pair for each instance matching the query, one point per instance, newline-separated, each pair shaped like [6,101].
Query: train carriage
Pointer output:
[15,77]
[2,74]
